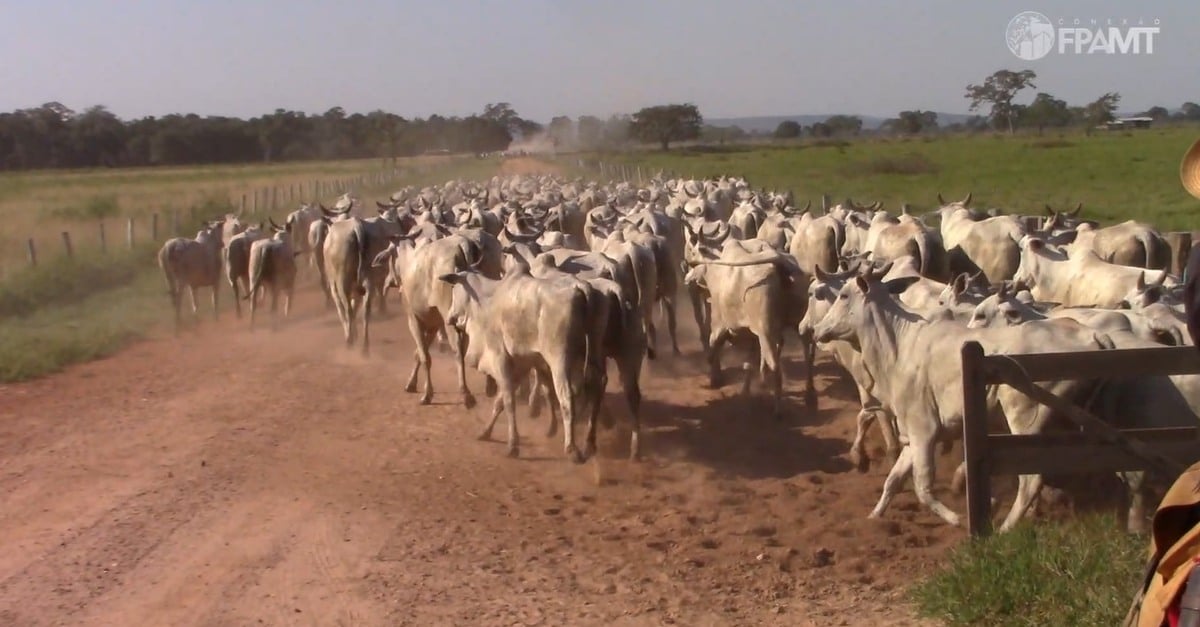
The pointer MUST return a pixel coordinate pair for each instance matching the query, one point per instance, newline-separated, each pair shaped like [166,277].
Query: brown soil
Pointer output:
[230,478]
[528,165]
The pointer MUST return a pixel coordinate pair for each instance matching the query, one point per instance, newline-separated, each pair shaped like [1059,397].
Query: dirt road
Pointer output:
[226,478]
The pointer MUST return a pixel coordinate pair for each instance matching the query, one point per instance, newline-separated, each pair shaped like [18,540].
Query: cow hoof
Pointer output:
[810,400]
[411,388]
[860,461]
[650,353]
[484,436]
[575,455]
[469,400]
[552,431]
[427,399]
[514,452]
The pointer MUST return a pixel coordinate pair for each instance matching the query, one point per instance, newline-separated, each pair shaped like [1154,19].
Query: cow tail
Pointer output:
[167,264]
[580,314]
[364,264]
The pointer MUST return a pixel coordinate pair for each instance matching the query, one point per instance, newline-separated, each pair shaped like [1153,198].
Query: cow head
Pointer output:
[1002,309]
[1145,293]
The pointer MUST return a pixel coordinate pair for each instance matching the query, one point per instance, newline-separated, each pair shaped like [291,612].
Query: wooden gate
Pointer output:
[1096,447]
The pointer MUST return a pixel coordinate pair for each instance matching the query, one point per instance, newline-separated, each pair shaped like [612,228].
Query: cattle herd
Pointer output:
[537,282]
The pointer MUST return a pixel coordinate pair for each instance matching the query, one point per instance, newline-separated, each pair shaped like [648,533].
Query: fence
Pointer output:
[1096,446]
[171,223]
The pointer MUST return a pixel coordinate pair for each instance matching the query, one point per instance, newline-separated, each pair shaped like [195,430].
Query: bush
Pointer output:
[909,164]
[1079,572]
[62,279]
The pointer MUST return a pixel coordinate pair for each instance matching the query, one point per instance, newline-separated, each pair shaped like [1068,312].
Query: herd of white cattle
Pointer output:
[541,280]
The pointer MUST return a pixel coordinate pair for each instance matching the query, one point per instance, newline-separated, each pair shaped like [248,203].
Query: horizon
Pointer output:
[549,60]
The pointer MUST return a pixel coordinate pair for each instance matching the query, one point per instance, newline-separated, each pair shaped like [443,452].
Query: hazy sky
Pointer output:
[750,57]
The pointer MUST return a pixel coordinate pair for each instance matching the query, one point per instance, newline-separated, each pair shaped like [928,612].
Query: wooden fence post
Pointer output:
[32,252]
[129,233]
[66,238]
[154,226]
[975,441]
[192,214]
[274,197]
[103,241]
[242,207]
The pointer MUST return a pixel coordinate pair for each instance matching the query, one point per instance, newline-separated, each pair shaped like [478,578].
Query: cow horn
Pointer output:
[1162,277]
[1049,210]
[273,225]
[967,200]
[941,201]
[517,237]
[1078,208]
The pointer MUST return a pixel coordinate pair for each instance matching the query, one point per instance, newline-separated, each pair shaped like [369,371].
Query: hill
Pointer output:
[767,123]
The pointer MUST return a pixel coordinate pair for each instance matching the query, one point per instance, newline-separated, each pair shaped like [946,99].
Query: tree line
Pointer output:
[54,136]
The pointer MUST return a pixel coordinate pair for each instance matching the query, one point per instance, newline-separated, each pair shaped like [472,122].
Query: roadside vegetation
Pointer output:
[1080,571]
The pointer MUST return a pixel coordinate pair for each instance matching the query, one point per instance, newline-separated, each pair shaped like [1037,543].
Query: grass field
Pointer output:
[42,204]
[1115,175]
[69,310]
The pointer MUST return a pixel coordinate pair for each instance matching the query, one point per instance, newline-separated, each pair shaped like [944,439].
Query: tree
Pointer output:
[999,90]
[666,123]
[819,129]
[561,130]
[590,131]
[913,122]
[1190,111]
[844,124]
[1101,110]
[1158,113]
[788,129]
[1046,110]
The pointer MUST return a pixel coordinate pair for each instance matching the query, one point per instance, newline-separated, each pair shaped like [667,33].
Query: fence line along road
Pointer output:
[262,199]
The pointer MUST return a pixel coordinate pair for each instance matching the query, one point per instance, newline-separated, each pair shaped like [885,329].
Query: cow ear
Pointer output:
[451,278]
[862,283]
[1036,243]
[898,286]
[1141,281]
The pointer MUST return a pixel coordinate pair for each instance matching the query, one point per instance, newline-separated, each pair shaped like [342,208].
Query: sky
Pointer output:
[564,57]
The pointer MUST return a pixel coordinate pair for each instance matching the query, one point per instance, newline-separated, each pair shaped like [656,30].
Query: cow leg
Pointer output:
[633,397]
[923,474]
[216,299]
[414,329]
[497,407]
[809,348]
[668,311]
[858,452]
[560,375]
[716,342]
[489,385]
[1136,517]
[237,304]
[366,325]
[425,363]
[699,307]
[891,485]
[958,483]
[192,297]
[1028,487]
[551,399]
[460,350]
[508,397]
[287,303]
[253,307]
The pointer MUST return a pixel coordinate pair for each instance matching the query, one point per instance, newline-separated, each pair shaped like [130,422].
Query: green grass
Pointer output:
[1076,572]
[71,310]
[1116,175]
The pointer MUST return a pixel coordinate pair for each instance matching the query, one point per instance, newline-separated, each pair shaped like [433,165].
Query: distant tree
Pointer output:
[1046,110]
[820,129]
[561,130]
[999,90]
[844,124]
[788,129]
[617,130]
[1158,113]
[1190,111]
[1102,110]
[590,131]
[666,123]
[913,122]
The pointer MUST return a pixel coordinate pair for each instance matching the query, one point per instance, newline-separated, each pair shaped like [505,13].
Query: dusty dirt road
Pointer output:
[229,478]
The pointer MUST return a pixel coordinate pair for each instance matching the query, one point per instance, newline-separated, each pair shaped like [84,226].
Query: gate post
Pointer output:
[975,441]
